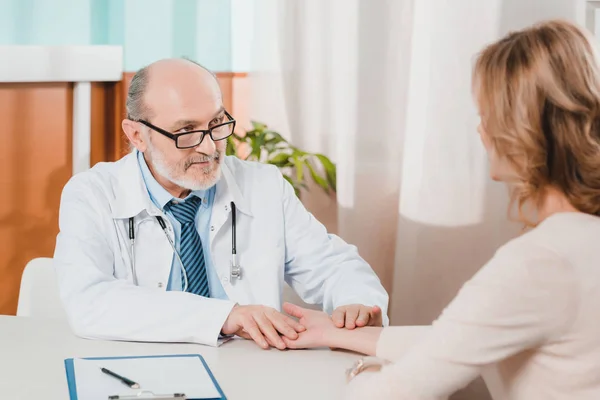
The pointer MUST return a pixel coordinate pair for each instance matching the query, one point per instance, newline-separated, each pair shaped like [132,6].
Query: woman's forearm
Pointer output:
[362,340]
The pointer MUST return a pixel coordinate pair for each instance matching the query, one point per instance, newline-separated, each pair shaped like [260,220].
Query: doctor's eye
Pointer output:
[218,120]
[185,129]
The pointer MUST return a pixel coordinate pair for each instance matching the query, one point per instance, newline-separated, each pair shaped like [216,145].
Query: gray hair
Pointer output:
[135,105]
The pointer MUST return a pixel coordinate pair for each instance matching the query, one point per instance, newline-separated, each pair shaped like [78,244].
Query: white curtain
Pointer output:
[383,88]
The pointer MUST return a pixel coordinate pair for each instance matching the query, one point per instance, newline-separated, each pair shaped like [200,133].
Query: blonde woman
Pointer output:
[529,320]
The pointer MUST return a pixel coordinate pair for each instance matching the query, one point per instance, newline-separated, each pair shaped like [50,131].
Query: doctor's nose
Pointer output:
[207,146]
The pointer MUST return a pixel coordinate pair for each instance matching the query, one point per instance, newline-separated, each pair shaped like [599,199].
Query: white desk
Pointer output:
[32,352]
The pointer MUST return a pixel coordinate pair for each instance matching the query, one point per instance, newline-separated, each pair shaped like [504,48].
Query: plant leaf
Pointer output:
[230,147]
[275,137]
[330,170]
[274,141]
[296,189]
[258,126]
[281,160]
[317,178]
[297,152]
[287,178]
[257,144]
[299,165]
[268,146]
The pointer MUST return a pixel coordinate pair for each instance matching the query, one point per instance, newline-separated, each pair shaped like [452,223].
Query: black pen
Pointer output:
[126,381]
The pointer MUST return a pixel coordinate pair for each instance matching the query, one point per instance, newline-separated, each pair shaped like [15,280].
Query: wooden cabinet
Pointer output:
[35,163]
[36,160]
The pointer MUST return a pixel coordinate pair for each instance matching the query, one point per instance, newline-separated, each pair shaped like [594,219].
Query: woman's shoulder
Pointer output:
[535,256]
[561,238]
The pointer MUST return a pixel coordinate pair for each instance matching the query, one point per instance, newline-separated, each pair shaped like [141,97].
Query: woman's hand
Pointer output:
[319,328]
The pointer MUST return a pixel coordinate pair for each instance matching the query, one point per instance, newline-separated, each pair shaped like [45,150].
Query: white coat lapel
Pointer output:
[153,253]
[227,191]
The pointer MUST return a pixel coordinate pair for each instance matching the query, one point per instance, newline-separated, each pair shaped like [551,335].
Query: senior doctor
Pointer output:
[144,251]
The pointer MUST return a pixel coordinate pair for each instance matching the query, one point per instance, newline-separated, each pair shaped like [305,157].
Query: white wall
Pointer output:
[516,14]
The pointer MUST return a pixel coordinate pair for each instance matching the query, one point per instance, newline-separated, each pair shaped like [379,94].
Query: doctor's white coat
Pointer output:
[277,240]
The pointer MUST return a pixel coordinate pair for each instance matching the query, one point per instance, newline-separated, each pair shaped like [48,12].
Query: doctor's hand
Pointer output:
[262,324]
[320,330]
[357,315]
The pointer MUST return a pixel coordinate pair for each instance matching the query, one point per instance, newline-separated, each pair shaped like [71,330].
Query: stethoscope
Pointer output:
[235,270]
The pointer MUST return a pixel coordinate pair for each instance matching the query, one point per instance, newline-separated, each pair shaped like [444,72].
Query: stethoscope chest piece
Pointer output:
[235,270]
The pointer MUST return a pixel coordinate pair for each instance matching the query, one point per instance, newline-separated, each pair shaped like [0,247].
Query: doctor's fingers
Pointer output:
[266,326]
[243,334]
[376,317]
[351,316]
[339,316]
[252,329]
[364,316]
[286,325]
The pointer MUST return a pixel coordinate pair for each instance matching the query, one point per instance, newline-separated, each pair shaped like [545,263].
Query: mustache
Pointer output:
[202,158]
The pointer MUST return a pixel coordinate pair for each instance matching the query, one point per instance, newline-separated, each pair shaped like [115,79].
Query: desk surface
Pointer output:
[32,352]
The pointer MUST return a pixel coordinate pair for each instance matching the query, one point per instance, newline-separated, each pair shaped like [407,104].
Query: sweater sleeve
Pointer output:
[395,341]
[520,299]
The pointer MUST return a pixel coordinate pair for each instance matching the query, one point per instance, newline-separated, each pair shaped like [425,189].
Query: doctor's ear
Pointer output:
[133,130]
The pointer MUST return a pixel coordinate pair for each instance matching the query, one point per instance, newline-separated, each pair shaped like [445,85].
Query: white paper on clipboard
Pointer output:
[185,375]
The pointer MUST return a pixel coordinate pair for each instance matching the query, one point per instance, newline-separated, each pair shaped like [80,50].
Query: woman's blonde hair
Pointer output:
[538,92]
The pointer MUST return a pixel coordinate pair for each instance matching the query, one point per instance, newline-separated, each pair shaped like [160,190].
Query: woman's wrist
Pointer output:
[330,336]
[361,340]
[339,338]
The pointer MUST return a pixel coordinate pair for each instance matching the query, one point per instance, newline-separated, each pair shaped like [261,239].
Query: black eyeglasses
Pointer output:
[191,139]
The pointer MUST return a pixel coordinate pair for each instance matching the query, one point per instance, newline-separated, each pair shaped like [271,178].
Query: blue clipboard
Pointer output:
[72,382]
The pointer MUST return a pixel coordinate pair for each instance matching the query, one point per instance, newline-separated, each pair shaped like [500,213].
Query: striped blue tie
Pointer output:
[190,249]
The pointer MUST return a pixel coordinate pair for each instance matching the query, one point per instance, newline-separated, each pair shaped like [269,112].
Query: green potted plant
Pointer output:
[267,146]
